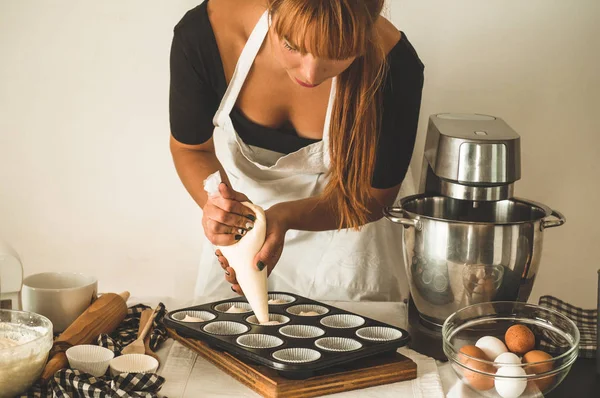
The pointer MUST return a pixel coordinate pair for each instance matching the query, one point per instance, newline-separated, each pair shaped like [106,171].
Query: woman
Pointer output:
[309,108]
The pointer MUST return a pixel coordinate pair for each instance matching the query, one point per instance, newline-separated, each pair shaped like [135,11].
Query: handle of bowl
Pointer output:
[549,223]
[395,215]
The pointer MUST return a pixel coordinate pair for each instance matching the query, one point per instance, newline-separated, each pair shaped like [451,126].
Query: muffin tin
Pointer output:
[300,345]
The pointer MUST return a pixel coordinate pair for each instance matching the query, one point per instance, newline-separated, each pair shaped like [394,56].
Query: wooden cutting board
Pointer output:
[367,372]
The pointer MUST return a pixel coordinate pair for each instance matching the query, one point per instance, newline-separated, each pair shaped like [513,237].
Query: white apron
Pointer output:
[328,265]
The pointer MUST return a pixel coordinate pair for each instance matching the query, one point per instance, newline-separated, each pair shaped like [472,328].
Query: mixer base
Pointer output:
[426,338]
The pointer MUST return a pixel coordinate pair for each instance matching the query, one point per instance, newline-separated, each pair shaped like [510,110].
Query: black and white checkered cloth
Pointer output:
[69,383]
[585,321]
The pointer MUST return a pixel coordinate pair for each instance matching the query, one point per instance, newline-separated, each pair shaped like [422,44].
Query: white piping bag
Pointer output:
[240,255]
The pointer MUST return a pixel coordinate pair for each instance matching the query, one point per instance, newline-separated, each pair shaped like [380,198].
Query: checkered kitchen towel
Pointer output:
[69,383]
[585,321]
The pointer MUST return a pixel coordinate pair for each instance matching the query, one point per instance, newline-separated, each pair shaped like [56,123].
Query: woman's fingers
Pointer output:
[221,216]
[235,207]
[229,273]
[229,193]
[230,276]
[237,289]
[223,239]
[222,260]
[216,227]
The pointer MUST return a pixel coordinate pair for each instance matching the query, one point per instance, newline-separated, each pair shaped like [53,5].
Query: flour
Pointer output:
[21,359]
[5,342]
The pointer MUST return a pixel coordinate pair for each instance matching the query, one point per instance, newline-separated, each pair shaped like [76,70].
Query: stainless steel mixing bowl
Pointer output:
[459,253]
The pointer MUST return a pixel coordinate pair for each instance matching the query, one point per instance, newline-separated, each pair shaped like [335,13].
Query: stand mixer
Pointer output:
[466,239]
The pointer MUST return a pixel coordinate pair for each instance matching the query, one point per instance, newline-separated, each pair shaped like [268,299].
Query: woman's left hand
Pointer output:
[269,254]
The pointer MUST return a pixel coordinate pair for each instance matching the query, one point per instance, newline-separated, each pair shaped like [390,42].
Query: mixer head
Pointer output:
[471,157]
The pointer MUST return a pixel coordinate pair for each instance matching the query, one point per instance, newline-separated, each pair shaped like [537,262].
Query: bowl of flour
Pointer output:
[25,341]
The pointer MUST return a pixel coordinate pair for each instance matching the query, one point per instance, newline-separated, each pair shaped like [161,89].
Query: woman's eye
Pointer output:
[288,47]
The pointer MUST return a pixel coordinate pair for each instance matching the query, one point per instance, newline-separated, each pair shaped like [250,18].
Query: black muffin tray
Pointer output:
[368,336]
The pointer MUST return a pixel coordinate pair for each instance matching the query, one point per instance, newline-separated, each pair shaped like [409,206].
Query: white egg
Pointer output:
[510,387]
[491,346]
[508,358]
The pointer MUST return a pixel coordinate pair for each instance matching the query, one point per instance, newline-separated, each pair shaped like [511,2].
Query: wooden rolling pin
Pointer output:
[144,317]
[103,316]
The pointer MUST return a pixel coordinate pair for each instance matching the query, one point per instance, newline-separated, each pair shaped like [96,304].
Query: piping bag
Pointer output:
[240,255]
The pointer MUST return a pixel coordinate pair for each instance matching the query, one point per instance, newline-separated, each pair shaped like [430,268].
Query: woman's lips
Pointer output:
[300,82]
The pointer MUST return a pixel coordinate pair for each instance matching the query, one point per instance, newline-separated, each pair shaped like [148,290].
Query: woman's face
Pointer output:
[306,70]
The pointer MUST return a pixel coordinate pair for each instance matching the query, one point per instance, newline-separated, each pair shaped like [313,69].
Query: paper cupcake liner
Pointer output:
[259,341]
[282,319]
[297,355]
[342,321]
[379,333]
[223,307]
[301,331]
[133,363]
[199,316]
[297,309]
[91,359]
[225,328]
[338,344]
[283,298]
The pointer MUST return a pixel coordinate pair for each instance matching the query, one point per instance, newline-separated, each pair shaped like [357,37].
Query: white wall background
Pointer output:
[86,179]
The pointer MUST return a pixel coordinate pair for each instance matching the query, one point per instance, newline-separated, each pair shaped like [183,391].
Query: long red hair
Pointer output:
[340,29]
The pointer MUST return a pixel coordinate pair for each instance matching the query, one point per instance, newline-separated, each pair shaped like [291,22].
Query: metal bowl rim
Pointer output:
[547,210]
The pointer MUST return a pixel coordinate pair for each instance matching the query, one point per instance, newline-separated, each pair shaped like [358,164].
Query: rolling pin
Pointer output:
[144,317]
[103,316]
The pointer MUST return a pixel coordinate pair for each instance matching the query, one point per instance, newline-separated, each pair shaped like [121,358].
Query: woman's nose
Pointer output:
[310,69]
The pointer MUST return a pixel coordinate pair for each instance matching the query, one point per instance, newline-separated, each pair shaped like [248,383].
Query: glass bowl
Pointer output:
[554,334]
[25,341]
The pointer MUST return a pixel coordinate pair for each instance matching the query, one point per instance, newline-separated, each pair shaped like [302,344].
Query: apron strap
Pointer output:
[326,158]
[242,68]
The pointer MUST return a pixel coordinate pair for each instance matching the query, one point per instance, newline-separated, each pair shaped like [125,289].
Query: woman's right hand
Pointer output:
[225,219]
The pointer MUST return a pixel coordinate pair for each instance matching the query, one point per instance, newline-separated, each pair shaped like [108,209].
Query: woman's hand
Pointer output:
[269,254]
[225,220]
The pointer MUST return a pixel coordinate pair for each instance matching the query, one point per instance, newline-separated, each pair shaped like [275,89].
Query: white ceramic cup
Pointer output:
[59,296]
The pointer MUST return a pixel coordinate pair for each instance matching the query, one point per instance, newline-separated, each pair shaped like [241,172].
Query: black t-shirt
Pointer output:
[198,85]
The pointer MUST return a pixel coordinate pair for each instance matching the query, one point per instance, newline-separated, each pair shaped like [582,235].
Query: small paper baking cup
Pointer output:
[297,355]
[301,331]
[225,328]
[342,321]
[223,307]
[338,344]
[282,319]
[297,309]
[202,316]
[91,359]
[133,363]
[259,341]
[284,298]
[379,333]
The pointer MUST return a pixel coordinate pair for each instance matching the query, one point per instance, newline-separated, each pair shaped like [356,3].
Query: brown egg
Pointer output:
[519,339]
[476,380]
[539,356]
